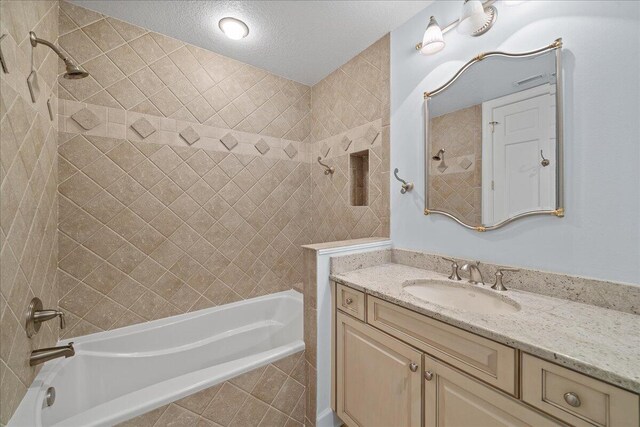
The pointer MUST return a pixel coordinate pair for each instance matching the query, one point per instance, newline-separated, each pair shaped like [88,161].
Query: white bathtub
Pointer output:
[117,375]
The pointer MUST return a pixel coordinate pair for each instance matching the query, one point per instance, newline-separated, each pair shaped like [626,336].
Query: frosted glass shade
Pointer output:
[433,41]
[472,18]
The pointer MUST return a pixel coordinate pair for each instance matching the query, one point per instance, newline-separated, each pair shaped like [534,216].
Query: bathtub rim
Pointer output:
[29,413]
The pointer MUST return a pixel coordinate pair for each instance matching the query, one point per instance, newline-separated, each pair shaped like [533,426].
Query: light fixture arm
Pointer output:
[486,4]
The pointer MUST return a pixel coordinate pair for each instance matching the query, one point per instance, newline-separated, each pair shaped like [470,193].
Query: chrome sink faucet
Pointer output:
[45,354]
[475,276]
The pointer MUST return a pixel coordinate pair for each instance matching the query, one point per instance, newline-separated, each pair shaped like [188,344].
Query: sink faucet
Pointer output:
[475,276]
[45,354]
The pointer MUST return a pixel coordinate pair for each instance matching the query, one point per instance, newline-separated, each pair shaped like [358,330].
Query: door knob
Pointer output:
[428,375]
[413,366]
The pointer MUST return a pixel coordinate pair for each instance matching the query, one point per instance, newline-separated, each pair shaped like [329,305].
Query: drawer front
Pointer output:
[350,301]
[486,360]
[576,398]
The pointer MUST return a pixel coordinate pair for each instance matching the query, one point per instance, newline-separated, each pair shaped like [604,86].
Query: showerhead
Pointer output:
[439,156]
[74,71]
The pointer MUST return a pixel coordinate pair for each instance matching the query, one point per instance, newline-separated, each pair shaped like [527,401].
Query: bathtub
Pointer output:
[120,374]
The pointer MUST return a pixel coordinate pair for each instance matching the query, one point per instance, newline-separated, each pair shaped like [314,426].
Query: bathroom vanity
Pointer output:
[400,360]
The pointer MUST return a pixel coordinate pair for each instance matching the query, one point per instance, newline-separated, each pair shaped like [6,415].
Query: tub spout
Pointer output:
[45,354]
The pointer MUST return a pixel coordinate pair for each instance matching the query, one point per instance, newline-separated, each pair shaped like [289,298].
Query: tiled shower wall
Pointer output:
[142,71]
[28,208]
[152,227]
[457,189]
[350,113]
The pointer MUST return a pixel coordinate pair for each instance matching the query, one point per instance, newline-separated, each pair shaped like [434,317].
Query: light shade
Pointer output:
[433,41]
[473,17]
[233,28]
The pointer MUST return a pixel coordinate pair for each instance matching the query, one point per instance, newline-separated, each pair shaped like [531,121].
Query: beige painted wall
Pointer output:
[28,214]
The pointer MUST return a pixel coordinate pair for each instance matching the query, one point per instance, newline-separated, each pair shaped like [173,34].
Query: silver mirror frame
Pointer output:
[559,210]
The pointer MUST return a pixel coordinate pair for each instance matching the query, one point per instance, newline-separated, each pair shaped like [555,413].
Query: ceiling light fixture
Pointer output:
[433,41]
[233,28]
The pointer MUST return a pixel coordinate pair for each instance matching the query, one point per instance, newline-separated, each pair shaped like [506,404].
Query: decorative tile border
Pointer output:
[360,138]
[121,124]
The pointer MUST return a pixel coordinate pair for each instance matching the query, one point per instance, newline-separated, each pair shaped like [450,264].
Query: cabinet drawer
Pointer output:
[486,360]
[350,301]
[576,398]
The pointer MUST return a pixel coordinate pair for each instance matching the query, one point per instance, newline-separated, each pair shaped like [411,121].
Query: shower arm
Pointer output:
[35,41]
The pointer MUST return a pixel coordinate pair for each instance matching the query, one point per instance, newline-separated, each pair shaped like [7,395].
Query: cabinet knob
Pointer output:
[428,375]
[348,301]
[572,399]
[413,366]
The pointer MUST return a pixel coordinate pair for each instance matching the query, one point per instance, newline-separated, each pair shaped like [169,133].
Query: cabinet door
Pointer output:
[378,378]
[453,399]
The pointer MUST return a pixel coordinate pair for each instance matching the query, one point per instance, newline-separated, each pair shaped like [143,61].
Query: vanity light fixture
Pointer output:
[433,40]
[233,28]
[476,18]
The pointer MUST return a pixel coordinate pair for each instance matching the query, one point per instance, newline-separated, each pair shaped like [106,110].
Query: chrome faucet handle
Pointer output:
[454,269]
[499,286]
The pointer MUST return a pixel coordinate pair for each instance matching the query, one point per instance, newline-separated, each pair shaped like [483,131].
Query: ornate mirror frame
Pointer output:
[559,185]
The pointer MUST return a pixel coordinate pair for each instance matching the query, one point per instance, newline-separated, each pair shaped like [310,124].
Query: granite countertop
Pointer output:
[602,343]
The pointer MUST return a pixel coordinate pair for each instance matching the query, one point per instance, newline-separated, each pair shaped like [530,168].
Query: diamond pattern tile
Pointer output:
[262,146]
[229,141]
[345,143]
[291,150]
[143,127]
[86,119]
[189,135]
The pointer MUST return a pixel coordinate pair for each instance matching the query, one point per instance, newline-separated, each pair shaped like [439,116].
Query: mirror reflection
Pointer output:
[491,142]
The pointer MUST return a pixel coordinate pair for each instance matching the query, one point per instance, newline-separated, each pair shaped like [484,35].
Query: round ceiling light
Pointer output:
[233,28]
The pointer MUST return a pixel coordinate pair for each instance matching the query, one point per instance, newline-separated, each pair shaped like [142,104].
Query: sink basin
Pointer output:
[470,298]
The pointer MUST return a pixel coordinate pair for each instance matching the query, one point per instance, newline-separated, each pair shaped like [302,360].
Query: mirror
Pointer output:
[494,139]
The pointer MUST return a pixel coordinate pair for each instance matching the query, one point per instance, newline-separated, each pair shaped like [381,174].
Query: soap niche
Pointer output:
[359,169]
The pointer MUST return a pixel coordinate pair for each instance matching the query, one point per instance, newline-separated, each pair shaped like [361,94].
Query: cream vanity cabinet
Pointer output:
[393,367]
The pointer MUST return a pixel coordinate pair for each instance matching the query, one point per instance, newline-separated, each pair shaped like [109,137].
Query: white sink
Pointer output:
[463,297]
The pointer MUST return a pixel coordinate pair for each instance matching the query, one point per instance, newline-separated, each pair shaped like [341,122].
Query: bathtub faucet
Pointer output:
[44,354]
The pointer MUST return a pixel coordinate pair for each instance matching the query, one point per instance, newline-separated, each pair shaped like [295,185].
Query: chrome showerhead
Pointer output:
[439,156]
[74,71]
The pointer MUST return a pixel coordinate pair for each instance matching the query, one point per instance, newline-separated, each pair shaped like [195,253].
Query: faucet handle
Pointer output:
[454,269]
[499,286]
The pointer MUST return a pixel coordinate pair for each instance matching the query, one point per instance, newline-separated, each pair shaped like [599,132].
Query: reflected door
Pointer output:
[520,128]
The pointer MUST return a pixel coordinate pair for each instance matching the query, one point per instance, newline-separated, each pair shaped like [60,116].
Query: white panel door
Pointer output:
[522,131]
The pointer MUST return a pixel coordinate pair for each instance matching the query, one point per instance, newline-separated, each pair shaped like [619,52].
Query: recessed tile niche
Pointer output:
[359,169]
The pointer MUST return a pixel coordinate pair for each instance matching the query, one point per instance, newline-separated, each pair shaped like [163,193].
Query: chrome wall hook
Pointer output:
[327,169]
[406,186]
[544,162]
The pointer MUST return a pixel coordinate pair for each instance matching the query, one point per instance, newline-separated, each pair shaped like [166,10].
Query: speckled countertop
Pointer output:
[604,344]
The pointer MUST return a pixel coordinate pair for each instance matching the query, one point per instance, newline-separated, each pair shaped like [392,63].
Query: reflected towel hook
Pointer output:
[406,186]
[327,169]
[544,162]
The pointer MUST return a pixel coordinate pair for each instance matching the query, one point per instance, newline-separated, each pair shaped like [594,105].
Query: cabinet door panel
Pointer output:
[452,399]
[378,377]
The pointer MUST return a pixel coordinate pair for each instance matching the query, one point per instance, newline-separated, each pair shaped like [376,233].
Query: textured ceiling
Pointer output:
[300,40]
